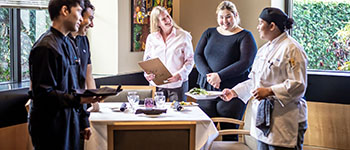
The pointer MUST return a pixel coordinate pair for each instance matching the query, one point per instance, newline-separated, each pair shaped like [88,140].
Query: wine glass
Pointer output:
[133,99]
[160,99]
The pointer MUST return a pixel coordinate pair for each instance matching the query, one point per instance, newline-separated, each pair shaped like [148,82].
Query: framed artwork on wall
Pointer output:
[140,20]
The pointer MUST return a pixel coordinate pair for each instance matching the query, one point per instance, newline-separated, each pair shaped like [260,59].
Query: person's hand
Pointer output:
[91,99]
[95,107]
[150,76]
[87,133]
[174,78]
[228,94]
[261,93]
[214,80]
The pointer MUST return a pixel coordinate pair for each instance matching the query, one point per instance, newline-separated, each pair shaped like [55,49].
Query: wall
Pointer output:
[127,60]
[104,37]
[197,22]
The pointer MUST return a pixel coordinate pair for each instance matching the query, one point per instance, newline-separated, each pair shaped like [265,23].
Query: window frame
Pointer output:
[15,45]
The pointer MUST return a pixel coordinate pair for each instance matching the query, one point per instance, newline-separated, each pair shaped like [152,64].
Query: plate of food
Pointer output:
[202,94]
[185,104]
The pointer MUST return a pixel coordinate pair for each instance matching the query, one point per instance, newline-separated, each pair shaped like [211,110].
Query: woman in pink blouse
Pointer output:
[173,46]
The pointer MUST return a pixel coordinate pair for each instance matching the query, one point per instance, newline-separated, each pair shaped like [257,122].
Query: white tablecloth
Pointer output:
[205,129]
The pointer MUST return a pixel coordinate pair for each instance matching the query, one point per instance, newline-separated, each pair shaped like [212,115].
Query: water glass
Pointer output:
[133,99]
[149,102]
[160,99]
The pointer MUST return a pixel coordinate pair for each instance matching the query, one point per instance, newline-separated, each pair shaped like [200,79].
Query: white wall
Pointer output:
[110,39]
[278,4]
[104,37]
[127,62]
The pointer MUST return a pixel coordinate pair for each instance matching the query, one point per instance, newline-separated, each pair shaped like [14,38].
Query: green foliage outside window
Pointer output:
[323,28]
[4,45]
[29,34]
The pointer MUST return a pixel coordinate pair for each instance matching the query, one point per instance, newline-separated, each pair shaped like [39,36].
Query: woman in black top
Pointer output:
[223,58]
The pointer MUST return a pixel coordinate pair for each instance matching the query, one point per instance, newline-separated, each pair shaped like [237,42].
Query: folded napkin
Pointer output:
[106,91]
[150,111]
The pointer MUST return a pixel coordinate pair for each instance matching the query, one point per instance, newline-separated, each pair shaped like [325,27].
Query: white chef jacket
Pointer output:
[176,53]
[279,64]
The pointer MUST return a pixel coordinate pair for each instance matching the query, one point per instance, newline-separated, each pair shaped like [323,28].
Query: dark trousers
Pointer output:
[302,126]
[219,108]
[177,94]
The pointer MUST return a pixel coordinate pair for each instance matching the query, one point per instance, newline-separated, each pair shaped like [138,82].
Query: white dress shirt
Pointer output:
[279,64]
[176,53]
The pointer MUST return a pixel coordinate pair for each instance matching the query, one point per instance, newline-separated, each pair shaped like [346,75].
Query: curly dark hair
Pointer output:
[87,4]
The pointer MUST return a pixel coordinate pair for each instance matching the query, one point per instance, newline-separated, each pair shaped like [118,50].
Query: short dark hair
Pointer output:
[87,4]
[56,5]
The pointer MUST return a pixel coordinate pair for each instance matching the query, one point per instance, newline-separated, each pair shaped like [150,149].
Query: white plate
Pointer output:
[189,104]
[211,95]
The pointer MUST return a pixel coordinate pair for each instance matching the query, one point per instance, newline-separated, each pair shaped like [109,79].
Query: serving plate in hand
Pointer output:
[211,95]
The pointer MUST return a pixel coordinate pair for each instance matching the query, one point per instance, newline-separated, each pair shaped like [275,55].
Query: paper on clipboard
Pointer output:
[156,67]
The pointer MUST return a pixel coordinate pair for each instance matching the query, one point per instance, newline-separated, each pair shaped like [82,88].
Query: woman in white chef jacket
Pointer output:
[278,74]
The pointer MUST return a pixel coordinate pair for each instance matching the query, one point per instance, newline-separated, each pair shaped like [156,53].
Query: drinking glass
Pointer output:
[149,102]
[160,99]
[133,99]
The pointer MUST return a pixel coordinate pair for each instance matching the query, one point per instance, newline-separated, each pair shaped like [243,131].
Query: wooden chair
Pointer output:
[27,105]
[245,142]
[143,91]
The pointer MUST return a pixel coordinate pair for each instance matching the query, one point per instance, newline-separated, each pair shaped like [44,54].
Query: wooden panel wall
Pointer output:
[329,125]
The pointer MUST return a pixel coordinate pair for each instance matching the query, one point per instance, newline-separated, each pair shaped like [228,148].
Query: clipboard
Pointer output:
[156,67]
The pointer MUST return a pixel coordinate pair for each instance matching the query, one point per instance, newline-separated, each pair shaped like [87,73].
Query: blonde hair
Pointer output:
[228,5]
[154,27]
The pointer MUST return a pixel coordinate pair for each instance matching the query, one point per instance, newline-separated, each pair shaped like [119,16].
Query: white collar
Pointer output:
[274,41]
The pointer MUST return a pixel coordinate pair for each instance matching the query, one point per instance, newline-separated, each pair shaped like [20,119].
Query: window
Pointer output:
[33,24]
[19,29]
[323,29]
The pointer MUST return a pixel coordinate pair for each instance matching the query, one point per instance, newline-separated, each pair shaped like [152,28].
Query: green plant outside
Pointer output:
[320,28]
[4,45]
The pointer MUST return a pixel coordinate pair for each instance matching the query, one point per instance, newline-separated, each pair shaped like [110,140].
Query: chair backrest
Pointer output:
[249,140]
[27,105]
[143,91]
[244,128]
